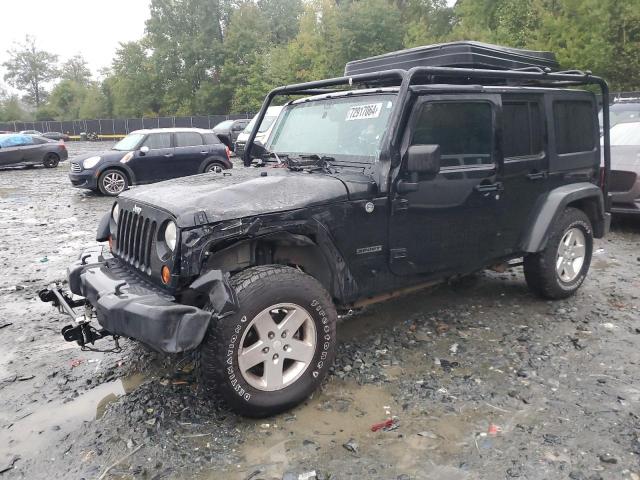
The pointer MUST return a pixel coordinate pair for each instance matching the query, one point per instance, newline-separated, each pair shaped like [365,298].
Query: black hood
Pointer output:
[107,155]
[245,192]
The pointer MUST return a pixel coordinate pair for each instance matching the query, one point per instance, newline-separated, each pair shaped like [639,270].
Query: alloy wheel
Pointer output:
[277,347]
[571,255]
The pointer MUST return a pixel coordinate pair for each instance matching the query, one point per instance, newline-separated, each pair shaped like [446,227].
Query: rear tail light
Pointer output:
[62,145]
[226,149]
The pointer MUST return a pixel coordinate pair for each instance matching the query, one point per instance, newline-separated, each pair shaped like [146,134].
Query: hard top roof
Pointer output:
[145,131]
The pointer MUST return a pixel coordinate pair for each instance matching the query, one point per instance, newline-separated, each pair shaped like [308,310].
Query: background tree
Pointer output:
[29,69]
[76,70]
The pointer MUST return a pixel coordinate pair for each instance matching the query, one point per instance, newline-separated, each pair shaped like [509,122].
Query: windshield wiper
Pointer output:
[310,163]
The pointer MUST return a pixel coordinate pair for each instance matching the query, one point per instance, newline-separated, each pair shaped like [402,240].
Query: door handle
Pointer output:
[489,187]
[204,152]
[168,155]
[537,175]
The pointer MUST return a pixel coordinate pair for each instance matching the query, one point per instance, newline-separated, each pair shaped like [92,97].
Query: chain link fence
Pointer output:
[120,126]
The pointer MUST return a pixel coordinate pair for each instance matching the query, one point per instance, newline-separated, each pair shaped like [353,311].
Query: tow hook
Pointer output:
[82,332]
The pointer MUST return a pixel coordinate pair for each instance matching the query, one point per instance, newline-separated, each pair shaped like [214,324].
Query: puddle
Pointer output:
[38,426]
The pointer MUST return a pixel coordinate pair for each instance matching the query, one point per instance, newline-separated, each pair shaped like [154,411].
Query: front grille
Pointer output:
[622,181]
[75,167]
[134,240]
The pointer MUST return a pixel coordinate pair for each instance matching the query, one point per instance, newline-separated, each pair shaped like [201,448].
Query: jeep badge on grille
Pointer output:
[137,209]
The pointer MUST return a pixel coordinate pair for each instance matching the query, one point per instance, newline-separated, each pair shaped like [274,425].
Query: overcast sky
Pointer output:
[68,27]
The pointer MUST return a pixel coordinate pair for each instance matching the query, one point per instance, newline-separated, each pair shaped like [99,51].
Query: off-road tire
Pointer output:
[111,171]
[259,288]
[540,268]
[51,160]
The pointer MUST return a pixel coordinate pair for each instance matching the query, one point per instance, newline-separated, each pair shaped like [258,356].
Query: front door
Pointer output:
[448,223]
[150,166]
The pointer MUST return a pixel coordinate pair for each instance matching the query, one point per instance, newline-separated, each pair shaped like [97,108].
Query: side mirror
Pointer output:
[144,150]
[423,159]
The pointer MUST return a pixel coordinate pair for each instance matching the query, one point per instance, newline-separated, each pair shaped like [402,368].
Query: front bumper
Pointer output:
[129,306]
[84,179]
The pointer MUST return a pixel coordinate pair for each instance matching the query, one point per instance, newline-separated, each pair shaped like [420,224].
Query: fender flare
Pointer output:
[211,159]
[117,166]
[104,228]
[549,208]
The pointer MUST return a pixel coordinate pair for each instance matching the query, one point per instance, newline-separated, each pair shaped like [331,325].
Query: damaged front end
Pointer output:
[127,305]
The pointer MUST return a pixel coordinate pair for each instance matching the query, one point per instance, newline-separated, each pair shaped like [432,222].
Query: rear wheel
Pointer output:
[275,351]
[113,182]
[559,270]
[216,167]
[51,160]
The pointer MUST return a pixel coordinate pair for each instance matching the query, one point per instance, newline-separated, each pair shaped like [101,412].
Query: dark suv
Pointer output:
[427,174]
[147,156]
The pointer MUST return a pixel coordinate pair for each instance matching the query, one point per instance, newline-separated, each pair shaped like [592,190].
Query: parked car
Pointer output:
[624,109]
[147,156]
[56,136]
[31,132]
[263,132]
[391,182]
[29,150]
[625,168]
[3,132]
[229,130]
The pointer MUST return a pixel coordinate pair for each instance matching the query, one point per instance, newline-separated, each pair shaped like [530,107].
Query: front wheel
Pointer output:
[112,182]
[275,351]
[558,271]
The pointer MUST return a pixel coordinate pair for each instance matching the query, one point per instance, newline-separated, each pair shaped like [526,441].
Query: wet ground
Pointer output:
[479,380]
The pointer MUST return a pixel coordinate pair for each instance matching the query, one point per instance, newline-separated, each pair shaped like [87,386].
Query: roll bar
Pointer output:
[405,78]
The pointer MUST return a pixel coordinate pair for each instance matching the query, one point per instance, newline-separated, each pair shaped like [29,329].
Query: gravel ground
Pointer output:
[478,380]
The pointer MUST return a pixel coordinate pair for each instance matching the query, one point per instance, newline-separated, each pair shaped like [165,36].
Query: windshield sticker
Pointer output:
[361,112]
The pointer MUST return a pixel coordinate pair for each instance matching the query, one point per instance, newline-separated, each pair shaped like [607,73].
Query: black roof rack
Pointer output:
[463,54]
[526,76]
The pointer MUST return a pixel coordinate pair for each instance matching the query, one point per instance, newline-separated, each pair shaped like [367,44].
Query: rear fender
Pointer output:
[585,196]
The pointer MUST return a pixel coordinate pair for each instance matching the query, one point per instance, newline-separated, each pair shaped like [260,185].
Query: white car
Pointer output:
[263,132]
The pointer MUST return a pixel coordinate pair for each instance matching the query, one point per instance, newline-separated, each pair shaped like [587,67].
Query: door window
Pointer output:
[464,131]
[522,129]
[210,139]
[574,126]
[188,139]
[156,141]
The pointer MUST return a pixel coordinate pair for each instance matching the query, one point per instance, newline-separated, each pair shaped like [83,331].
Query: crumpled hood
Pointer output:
[241,193]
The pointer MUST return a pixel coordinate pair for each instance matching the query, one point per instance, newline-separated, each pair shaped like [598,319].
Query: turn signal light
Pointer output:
[165,274]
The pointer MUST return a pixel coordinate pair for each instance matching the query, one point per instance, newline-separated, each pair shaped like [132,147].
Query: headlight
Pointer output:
[90,162]
[127,157]
[115,212]
[170,234]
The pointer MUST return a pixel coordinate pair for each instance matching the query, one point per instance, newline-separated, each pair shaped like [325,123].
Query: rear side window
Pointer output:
[210,139]
[464,131]
[522,129]
[158,140]
[188,139]
[574,126]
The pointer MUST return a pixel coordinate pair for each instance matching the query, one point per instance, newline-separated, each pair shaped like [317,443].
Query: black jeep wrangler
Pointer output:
[443,161]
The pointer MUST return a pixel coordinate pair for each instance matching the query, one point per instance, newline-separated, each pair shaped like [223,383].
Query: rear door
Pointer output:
[190,152]
[449,222]
[525,173]
[153,165]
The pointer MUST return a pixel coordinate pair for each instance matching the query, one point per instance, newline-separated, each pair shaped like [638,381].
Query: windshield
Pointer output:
[223,125]
[336,127]
[264,126]
[625,134]
[128,143]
